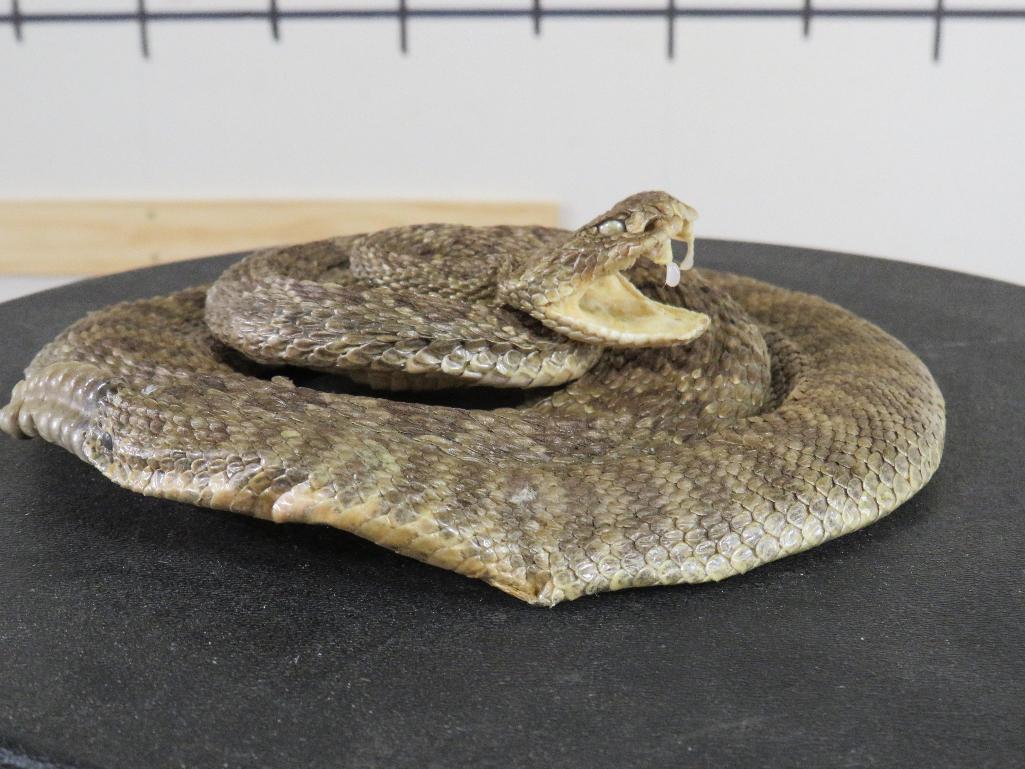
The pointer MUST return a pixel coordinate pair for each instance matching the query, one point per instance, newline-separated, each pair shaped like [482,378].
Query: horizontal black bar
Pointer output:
[525,12]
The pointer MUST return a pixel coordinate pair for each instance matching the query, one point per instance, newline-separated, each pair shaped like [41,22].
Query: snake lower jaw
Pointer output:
[612,312]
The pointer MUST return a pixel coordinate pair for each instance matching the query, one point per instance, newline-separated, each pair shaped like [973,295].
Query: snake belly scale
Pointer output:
[673,425]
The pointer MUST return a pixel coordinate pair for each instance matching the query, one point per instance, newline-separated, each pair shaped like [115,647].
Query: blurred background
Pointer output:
[137,131]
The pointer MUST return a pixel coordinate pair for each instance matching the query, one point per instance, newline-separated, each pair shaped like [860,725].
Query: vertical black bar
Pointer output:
[806,17]
[537,17]
[671,28]
[16,20]
[143,34]
[937,35]
[275,30]
[403,18]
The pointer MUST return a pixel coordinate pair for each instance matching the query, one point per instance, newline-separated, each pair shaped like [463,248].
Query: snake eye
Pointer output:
[611,227]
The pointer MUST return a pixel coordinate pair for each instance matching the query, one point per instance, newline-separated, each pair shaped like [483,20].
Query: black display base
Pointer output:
[137,633]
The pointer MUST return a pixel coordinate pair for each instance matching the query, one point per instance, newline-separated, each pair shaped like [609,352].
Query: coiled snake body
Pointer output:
[664,433]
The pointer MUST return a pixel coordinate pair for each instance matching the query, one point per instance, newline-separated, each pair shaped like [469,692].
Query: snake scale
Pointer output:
[655,424]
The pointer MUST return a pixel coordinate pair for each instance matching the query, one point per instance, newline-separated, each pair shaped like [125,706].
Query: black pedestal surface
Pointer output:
[141,634]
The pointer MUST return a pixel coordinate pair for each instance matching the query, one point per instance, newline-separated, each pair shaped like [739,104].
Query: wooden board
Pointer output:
[96,237]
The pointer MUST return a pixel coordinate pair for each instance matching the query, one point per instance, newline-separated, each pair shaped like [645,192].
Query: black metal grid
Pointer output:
[534,11]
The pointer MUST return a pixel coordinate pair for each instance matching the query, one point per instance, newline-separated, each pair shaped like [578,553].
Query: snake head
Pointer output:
[579,287]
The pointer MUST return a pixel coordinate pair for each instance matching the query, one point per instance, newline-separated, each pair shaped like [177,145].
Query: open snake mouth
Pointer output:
[610,310]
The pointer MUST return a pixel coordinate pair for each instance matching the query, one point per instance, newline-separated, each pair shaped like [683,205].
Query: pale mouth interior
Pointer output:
[617,310]
[612,310]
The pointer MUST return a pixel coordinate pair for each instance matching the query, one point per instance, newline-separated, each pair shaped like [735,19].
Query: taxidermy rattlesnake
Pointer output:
[656,424]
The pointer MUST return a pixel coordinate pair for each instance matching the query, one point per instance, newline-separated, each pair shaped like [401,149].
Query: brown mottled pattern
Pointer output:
[789,422]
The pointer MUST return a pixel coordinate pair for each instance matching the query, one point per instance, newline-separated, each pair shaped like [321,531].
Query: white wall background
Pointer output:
[852,140]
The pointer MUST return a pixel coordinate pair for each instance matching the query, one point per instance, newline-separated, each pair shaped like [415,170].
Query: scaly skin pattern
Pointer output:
[421,320]
[787,423]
